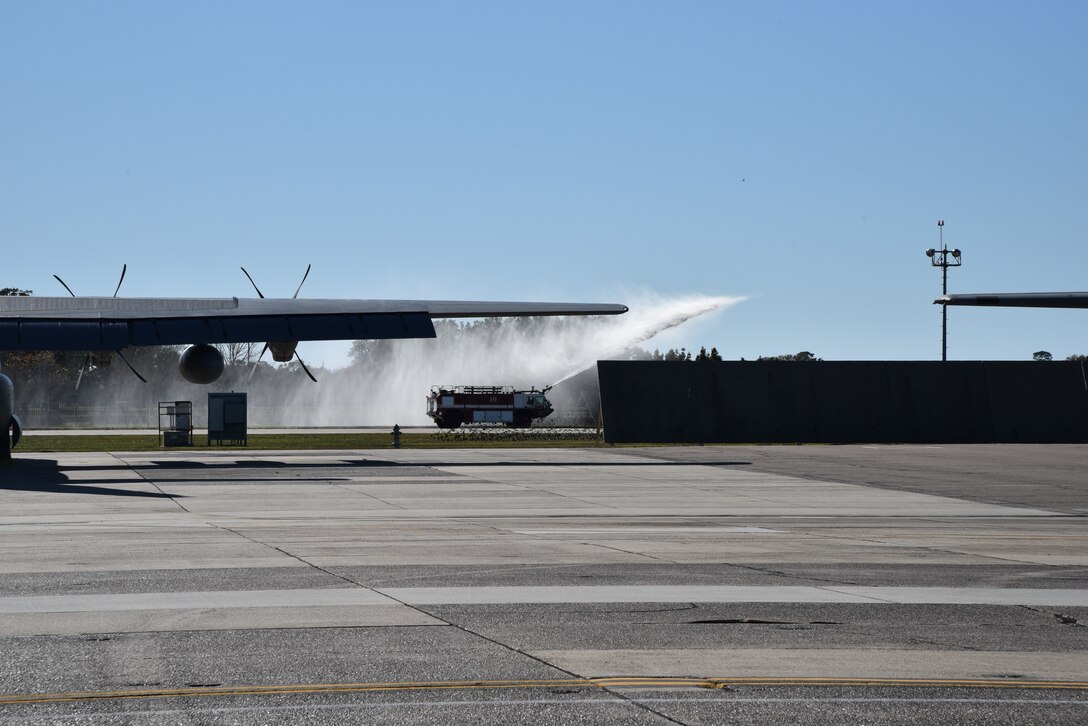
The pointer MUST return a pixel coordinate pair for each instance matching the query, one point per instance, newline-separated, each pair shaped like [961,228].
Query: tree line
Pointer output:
[683,354]
[1045,355]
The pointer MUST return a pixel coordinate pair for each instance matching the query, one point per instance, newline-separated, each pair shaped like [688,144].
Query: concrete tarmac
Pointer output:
[694,585]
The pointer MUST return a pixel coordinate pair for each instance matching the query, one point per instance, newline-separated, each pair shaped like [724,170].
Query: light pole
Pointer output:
[944,258]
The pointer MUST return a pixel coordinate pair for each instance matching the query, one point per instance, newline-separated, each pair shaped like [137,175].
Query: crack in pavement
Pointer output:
[1062,618]
[791,576]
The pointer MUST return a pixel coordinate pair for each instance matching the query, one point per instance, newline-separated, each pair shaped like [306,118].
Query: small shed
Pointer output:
[227,419]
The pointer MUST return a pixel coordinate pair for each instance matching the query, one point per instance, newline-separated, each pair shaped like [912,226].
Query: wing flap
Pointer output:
[470,309]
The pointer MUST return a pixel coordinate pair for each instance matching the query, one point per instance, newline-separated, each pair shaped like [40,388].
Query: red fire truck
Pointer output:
[451,406]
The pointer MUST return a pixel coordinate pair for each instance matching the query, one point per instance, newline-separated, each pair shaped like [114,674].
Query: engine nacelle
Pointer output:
[283,352]
[201,364]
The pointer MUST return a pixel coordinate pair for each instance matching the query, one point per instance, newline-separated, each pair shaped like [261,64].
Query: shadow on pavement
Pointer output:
[45,475]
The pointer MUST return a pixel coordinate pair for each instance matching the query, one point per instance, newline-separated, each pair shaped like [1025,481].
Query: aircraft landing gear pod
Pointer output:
[201,364]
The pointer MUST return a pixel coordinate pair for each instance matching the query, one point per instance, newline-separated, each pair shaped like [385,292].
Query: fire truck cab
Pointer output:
[451,406]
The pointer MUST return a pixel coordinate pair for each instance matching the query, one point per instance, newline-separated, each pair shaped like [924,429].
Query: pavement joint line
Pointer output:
[626,552]
[154,485]
[793,576]
[302,560]
[603,683]
[839,590]
[503,645]
[348,487]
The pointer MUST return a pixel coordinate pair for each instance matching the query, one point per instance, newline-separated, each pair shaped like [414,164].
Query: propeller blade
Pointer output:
[124,269]
[130,366]
[83,369]
[311,375]
[65,286]
[304,276]
[253,368]
[259,293]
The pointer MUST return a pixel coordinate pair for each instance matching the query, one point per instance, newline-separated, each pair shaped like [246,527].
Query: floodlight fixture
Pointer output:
[944,258]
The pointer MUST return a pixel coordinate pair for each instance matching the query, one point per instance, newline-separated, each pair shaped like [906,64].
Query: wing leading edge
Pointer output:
[90,323]
[1019,299]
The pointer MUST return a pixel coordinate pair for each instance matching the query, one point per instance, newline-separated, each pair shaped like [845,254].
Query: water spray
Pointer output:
[388,380]
[666,316]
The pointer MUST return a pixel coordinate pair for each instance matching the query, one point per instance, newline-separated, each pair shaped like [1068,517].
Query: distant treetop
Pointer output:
[804,355]
[713,355]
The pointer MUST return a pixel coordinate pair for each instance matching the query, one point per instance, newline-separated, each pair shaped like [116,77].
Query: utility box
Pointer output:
[175,423]
[227,419]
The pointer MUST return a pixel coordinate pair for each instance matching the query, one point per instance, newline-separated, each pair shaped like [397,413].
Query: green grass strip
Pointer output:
[129,442]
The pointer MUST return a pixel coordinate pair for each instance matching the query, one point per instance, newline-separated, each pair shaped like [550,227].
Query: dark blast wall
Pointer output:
[844,402]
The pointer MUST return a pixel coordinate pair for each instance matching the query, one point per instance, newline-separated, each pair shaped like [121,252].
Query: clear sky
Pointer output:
[795,153]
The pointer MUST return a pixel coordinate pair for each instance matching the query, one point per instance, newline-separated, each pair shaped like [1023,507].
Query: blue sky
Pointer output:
[798,154]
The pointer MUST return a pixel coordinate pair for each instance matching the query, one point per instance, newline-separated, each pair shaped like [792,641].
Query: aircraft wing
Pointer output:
[1019,299]
[106,323]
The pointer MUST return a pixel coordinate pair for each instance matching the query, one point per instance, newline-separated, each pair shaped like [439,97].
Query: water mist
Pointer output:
[388,380]
[520,352]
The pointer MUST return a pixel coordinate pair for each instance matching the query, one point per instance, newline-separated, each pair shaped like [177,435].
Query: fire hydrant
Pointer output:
[396,436]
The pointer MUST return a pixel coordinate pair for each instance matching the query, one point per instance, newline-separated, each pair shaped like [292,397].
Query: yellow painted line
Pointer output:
[287,689]
[903,682]
[603,683]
